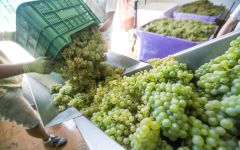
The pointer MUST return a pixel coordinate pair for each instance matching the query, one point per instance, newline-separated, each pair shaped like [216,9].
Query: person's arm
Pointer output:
[228,26]
[108,22]
[10,70]
[110,9]
[40,65]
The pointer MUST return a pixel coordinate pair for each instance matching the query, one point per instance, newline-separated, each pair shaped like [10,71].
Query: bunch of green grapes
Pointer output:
[224,62]
[95,96]
[120,108]
[166,89]
[109,73]
[117,123]
[214,115]
[196,105]
[221,113]
[67,95]
[168,108]
[192,30]
[147,135]
[80,61]
[208,138]
[166,70]
[235,88]
[82,66]
[221,82]
[95,106]
[121,93]
[220,63]
[62,95]
[216,83]
[82,100]
[143,111]
[202,7]
[231,106]
[55,88]
[215,77]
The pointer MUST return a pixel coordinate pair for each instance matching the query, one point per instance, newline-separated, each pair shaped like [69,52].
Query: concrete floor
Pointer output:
[14,137]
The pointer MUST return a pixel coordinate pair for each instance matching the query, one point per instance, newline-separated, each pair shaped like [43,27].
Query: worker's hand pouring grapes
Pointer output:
[40,65]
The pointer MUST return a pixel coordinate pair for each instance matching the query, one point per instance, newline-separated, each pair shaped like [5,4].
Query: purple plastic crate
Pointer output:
[181,15]
[154,45]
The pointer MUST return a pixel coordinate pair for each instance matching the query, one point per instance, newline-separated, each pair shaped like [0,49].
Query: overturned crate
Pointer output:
[45,27]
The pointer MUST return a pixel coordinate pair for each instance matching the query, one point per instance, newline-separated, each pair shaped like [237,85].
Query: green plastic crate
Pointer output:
[44,27]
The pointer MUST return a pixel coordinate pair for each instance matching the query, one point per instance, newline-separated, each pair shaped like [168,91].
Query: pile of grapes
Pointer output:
[165,104]
[202,7]
[192,30]
[152,109]
[82,66]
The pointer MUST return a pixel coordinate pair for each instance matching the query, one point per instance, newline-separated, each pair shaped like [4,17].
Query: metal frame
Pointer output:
[195,56]
[95,138]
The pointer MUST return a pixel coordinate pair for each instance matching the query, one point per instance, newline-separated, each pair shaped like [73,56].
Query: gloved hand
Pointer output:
[40,65]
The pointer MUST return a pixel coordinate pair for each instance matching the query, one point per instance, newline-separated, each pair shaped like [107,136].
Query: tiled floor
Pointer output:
[14,137]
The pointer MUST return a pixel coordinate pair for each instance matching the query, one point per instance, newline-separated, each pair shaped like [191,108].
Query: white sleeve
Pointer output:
[111,5]
[236,13]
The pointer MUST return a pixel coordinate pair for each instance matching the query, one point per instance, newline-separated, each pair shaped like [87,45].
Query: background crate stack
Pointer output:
[153,45]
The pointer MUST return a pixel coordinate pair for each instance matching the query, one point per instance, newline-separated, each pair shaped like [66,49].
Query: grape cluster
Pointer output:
[121,93]
[80,62]
[62,95]
[235,88]
[119,104]
[147,135]
[223,113]
[231,106]
[215,77]
[82,66]
[215,83]
[219,79]
[143,111]
[192,30]
[166,70]
[167,91]
[117,123]
[169,109]
[207,138]
[215,115]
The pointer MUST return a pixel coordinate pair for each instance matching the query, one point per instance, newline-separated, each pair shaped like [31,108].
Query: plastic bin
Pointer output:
[181,15]
[153,45]
[45,27]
